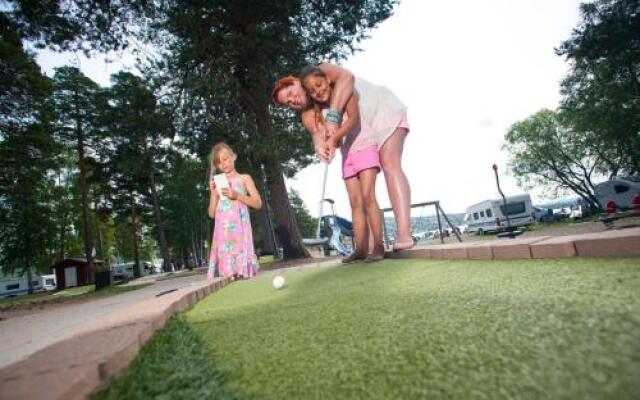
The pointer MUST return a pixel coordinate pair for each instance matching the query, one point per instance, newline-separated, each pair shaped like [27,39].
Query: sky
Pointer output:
[467,70]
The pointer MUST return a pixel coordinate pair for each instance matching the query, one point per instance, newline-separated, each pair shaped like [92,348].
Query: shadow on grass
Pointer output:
[175,364]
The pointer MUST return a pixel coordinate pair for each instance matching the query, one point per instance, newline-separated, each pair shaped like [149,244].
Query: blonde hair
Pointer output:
[215,153]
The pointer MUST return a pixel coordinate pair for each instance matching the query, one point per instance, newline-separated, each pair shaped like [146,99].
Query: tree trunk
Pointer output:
[84,189]
[287,233]
[99,244]
[63,227]
[157,212]
[268,241]
[134,230]
[29,275]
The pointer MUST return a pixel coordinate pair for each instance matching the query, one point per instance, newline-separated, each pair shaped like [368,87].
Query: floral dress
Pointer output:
[232,251]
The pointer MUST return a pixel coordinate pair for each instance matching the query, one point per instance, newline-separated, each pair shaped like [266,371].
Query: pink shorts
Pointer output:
[358,161]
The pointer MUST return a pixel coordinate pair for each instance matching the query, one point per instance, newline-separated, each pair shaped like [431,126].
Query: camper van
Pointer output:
[618,190]
[491,215]
[125,271]
[15,284]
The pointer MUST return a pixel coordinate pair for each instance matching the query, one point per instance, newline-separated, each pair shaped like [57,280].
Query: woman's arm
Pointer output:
[343,81]
[252,198]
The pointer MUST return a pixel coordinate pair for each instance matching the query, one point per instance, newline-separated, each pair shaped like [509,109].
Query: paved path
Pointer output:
[23,335]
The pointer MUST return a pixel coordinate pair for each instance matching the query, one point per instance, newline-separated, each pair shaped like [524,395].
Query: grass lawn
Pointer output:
[73,294]
[403,329]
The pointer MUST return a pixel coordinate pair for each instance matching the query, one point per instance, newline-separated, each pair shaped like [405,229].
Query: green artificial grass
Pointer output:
[526,329]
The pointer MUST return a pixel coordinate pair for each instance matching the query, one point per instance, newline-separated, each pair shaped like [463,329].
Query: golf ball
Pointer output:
[278,282]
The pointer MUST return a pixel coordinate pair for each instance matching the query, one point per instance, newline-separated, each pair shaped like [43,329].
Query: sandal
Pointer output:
[397,246]
[355,256]
[374,257]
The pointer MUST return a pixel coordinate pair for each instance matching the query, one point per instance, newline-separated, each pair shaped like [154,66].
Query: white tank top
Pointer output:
[380,114]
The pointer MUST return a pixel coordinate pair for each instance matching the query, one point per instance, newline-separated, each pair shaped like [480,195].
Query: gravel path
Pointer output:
[24,333]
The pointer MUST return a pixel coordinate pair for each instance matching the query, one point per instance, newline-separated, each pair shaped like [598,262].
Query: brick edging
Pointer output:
[618,243]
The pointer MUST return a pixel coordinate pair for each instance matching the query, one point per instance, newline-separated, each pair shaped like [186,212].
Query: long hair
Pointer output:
[215,155]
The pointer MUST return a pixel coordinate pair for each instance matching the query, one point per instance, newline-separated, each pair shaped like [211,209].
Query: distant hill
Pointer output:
[426,223]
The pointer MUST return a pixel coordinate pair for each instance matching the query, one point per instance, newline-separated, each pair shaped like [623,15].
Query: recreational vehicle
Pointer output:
[618,192]
[125,271]
[491,215]
[15,284]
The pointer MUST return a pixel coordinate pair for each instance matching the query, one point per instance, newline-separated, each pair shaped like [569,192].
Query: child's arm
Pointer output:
[213,199]
[317,136]
[353,112]
[252,199]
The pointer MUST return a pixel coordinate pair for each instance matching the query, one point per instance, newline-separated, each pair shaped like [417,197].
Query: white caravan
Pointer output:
[491,215]
[618,190]
[125,271]
[16,284]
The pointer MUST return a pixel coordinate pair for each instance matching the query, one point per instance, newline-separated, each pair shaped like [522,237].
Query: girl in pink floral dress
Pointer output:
[232,253]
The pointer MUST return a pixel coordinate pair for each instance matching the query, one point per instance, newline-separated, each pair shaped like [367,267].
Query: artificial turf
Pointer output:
[527,329]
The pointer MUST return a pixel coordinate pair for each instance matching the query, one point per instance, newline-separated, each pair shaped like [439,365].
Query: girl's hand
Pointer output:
[212,187]
[230,193]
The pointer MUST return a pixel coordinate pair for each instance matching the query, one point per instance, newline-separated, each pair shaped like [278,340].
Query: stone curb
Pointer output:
[614,243]
[75,367]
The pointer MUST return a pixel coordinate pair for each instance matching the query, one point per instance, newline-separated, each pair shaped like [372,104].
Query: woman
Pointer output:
[289,92]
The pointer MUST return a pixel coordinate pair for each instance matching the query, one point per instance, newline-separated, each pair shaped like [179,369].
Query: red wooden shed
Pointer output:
[74,272]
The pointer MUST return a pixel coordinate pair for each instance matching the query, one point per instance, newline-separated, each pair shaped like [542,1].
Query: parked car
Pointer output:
[618,192]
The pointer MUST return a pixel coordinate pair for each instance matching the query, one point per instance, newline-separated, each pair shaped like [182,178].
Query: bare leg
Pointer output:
[358,218]
[368,184]
[397,186]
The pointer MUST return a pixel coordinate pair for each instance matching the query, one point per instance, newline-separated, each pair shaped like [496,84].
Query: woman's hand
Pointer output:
[330,129]
[230,193]
[330,148]
[322,152]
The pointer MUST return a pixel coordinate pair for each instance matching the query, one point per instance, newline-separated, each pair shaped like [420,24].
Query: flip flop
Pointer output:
[398,246]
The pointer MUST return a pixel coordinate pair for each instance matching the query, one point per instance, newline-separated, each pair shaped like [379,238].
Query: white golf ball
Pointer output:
[278,282]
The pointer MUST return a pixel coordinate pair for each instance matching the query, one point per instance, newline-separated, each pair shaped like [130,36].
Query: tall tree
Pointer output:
[602,91]
[140,125]
[26,157]
[76,99]
[185,199]
[545,152]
